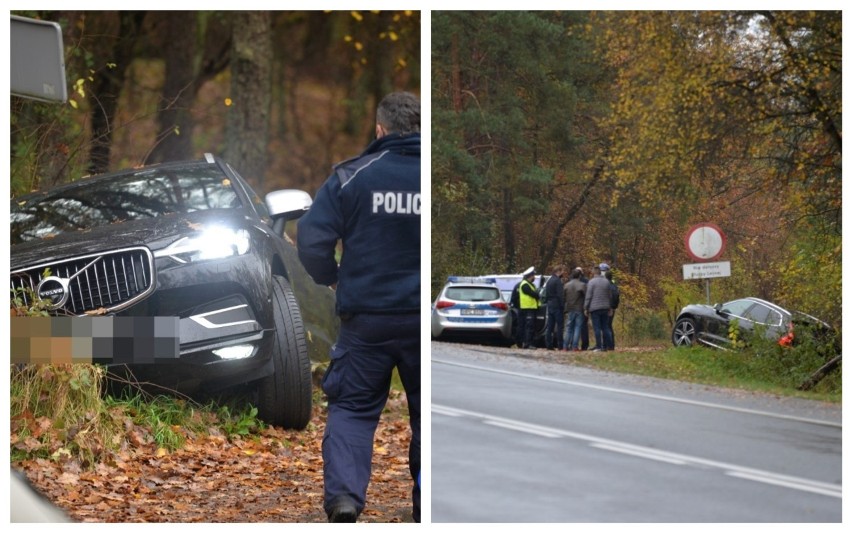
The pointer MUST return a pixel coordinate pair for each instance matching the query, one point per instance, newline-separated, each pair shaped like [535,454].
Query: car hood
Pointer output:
[699,309]
[155,233]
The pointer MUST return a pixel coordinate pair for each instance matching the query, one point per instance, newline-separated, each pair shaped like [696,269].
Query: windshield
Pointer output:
[148,193]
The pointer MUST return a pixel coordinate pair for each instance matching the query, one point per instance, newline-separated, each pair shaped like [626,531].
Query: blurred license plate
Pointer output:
[472,312]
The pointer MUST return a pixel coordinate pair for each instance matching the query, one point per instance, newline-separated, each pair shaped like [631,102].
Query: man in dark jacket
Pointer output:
[554,303]
[372,204]
[615,298]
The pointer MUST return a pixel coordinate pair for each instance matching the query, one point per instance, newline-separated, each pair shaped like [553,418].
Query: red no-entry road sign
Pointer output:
[705,242]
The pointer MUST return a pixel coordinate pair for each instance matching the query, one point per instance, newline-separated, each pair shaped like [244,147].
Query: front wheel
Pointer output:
[684,332]
[284,397]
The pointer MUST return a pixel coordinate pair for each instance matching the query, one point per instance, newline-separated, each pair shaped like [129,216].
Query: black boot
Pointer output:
[343,510]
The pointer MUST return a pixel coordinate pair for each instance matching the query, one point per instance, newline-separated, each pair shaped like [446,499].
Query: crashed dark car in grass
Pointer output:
[189,240]
[710,325]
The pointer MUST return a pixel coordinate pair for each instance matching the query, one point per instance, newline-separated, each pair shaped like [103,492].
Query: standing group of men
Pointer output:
[570,300]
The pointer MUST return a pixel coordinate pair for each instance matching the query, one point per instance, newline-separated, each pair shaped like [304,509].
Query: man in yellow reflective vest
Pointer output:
[529,299]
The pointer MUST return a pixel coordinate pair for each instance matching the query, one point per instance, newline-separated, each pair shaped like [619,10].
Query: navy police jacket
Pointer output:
[371,203]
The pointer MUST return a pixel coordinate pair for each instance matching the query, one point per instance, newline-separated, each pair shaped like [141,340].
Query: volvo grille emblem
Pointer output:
[53,289]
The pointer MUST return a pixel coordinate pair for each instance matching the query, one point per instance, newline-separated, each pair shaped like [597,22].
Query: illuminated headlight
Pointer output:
[240,351]
[216,242]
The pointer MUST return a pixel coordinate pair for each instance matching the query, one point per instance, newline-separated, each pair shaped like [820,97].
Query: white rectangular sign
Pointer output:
[721,269]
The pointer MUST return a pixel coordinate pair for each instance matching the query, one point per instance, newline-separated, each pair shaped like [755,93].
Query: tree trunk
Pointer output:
[548,251]
[455,86]
[174,139]
[380,71]
[508,230]
[247,133]
[823,371]
[107,89]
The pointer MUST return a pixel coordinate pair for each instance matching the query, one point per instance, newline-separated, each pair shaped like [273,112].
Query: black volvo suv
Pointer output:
[188,240]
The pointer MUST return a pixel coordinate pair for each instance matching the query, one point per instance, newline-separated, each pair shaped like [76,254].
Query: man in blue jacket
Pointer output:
[372,204]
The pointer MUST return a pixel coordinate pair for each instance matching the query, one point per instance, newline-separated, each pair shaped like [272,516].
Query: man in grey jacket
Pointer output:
[597,306]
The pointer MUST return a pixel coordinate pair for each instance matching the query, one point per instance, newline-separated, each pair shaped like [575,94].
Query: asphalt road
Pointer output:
[520,440]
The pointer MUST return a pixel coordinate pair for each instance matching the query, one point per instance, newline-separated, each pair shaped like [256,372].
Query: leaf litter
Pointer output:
[273,476]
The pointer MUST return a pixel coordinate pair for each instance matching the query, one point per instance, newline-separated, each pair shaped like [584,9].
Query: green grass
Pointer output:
[753,369]
[63,411]
[170,420]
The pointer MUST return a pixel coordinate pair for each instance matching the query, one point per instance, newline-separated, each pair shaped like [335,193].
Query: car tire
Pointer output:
[684,332]
[284,397]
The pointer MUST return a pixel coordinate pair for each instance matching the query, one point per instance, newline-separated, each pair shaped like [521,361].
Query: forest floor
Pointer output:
[274,476]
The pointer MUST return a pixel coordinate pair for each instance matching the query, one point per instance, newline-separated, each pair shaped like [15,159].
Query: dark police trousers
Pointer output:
[357,383]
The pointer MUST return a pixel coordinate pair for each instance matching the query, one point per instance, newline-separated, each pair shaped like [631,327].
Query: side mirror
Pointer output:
[286,204]
[718,308]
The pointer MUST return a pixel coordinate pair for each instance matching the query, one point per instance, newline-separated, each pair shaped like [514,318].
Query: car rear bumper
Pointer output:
[443,324]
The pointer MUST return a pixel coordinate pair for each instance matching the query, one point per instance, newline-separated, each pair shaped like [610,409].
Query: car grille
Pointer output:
[109,281]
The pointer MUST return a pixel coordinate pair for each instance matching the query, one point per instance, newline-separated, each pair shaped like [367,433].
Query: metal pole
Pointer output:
[707,286]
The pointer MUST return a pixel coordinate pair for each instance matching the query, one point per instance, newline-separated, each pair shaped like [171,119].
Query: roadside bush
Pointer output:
[58,410]
[455,261]
[61,412]
[645,325]
[813,250]
[790,366]
[676,295]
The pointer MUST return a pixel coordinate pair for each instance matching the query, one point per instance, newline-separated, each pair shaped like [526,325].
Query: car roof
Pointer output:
[512,276]
[507,282]
[84,181]
[768,304]
[470,281]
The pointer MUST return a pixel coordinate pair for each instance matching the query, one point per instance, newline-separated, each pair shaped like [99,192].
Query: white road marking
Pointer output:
[644,394]
[797,483]
[806,485]
[628,451]
[448,411]
[523,428]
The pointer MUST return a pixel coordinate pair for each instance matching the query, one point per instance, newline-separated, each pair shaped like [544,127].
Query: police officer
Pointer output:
[528,299]
[372,204]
